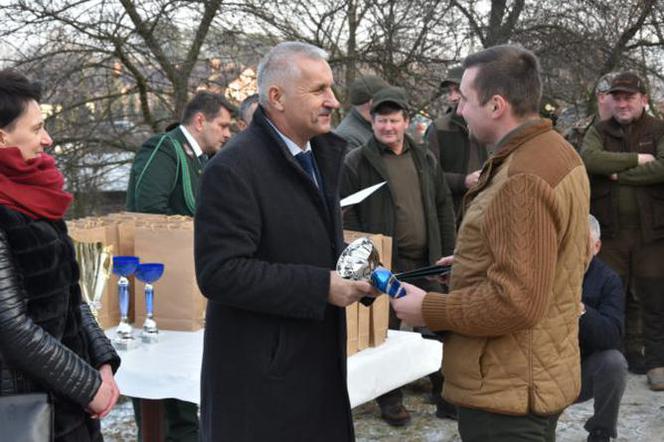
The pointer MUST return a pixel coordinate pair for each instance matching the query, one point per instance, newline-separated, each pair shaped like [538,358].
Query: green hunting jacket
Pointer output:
[160,187]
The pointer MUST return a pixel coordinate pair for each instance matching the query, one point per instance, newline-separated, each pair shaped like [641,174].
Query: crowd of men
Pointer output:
[534,315]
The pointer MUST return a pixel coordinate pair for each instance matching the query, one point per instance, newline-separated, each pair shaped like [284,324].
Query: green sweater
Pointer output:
[160,188]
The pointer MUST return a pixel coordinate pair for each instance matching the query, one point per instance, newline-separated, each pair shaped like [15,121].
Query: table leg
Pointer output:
[152,420]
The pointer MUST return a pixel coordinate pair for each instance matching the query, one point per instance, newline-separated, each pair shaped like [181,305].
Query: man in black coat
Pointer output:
[601,326]
[267,234]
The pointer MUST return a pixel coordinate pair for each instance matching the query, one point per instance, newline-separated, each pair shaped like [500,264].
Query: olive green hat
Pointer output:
[362,89]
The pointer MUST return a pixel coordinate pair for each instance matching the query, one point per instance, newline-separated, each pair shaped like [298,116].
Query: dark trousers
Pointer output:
[603,377]
[180,420]
[482,426]
[641,267]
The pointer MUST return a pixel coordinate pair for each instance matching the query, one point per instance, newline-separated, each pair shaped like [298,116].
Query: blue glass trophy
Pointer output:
[149,273]
[124,266]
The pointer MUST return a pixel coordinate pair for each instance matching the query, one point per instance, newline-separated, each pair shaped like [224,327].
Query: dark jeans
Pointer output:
[180,420]
[482,426]
[603,377]
[641,267]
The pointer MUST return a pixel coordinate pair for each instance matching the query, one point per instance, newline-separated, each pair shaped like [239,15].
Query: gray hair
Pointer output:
[595,230]
[246,105]
[277,66]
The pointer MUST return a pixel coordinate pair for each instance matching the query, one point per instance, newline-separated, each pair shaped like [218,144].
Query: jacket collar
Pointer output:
[357,116]
[519,135]
[617,130]
[328,150]
[182,139]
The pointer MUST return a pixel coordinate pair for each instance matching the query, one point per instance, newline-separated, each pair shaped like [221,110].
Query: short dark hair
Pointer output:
[388,108]
[246,104]
[208,103]
[16,91]
[511,72]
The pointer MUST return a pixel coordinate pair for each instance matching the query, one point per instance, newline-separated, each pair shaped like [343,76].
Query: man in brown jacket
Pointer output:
[511,317]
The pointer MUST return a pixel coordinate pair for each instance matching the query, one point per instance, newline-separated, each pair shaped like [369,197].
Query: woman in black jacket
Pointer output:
[49,341]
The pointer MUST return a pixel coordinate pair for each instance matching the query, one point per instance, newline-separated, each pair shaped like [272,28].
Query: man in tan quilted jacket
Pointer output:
[511,352]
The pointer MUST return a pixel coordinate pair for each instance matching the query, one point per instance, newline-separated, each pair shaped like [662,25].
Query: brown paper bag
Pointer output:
[178,304]
[97,230]
[351,329]
[373,321]
[363,326]
[380,309]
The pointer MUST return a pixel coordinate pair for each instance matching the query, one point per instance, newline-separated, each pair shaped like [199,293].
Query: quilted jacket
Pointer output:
[515,286]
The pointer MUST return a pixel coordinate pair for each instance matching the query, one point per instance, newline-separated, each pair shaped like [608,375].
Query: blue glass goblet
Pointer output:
[149,273]
[124,266]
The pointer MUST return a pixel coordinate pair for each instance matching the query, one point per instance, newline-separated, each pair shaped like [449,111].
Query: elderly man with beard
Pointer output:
[267,236]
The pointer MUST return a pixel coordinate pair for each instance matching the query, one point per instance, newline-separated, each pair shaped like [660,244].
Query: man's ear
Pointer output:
[498,106]
[275,97]
[198,120]
[3,137]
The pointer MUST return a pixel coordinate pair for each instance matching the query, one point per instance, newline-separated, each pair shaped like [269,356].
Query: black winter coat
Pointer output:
[49,341]
[274,363]
[601,327]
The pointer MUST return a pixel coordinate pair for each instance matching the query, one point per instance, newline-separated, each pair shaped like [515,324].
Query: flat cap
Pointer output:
[604,83]
[362,89]
[627,82]
[392,94]
[453,76]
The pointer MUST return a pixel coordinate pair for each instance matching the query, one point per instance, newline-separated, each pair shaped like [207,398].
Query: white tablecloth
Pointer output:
[171,367]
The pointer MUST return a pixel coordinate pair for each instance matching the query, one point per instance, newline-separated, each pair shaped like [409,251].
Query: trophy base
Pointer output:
[125,343]
[150,337]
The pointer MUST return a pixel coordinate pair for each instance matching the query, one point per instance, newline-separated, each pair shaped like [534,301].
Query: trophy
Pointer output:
[124,266]
[94,263]
[149,273]
[360,262]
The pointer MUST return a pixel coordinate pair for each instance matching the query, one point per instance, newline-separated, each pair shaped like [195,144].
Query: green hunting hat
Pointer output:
[627,82]
[362,89]
[392,94]
[453,76]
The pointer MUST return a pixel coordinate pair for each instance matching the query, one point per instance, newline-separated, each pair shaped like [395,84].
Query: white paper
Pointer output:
[360,196]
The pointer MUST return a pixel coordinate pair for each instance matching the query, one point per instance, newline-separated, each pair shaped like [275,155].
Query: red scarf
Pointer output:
[33,186]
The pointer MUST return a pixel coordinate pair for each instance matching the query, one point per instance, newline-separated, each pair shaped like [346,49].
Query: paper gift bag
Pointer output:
[380,309]
[351,329]
[178,304]
[126,222]
[372,322]
[96,230]
[363,326]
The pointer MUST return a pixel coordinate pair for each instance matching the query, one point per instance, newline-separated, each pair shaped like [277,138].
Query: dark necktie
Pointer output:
[306,160]
[203,159]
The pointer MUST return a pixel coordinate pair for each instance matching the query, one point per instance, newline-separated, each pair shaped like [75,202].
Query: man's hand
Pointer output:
[645,158]
[344,292]
[472,179]
[107,394]
[445,261]
[409,308]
